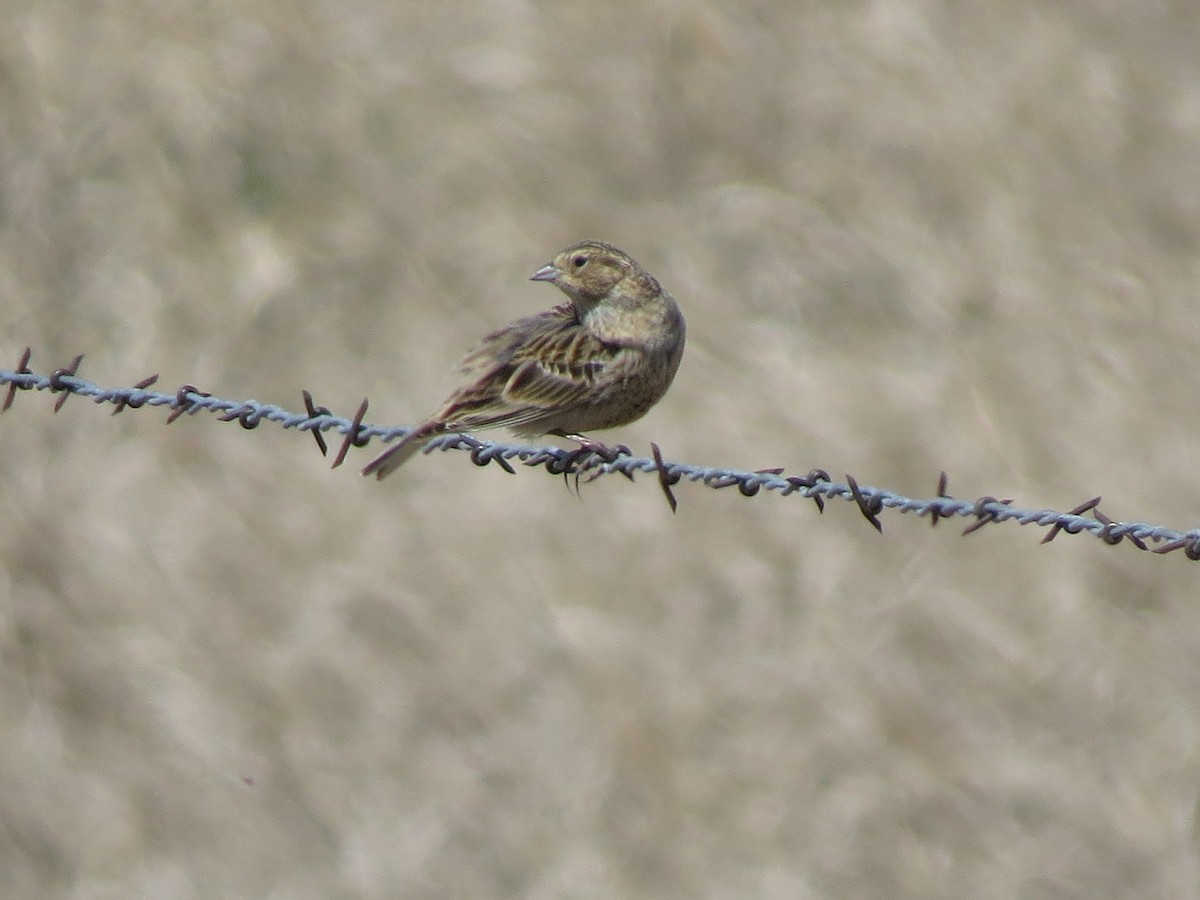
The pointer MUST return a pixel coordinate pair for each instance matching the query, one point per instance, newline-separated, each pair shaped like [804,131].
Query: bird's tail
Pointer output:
[394,457]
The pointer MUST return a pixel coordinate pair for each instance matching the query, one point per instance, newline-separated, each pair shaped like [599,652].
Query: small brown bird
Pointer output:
[600,360]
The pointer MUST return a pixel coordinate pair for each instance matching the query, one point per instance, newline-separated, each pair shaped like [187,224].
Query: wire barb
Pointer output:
[986,512]
[816,485]
[1085,506]
[14,386]
[182,402]
[486,452]
[666,478]
[314,412]
[56,380]
[135,400]
[809,486]
[934,512]
[353,437]
[869,508]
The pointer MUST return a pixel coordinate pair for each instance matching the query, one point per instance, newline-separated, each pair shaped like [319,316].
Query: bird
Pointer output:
[599,360]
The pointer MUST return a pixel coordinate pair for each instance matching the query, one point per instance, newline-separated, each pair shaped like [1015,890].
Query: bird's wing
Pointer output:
[539,365]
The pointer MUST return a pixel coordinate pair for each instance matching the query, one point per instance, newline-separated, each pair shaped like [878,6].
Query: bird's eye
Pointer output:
[579,262]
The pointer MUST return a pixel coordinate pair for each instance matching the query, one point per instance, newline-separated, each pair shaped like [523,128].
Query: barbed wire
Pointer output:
[816,485]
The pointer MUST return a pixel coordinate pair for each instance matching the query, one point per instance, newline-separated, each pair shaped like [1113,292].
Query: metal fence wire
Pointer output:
[817,485]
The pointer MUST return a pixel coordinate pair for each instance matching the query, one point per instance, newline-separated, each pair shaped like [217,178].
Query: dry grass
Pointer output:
[908,236]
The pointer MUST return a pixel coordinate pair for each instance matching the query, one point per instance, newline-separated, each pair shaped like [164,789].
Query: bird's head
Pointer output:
[589,271]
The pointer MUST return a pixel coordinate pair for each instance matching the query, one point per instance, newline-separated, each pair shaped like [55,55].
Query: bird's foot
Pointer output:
[603,451]
[591,453]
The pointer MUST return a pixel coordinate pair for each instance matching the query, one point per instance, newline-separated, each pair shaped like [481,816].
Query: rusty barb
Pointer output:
[816,485]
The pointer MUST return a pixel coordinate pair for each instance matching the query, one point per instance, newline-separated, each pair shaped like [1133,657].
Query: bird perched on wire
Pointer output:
[600,360]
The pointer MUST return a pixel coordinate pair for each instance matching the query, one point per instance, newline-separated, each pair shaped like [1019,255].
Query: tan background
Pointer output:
[908,236]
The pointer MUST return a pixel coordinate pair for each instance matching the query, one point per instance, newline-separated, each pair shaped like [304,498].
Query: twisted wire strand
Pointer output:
[816,485]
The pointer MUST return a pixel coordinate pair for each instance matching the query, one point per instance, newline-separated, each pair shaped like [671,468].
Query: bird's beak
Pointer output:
[548,272]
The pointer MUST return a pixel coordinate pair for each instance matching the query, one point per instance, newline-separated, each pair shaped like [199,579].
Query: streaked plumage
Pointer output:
[600,360]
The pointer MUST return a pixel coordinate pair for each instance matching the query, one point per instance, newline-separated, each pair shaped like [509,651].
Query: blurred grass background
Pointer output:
[908,235]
